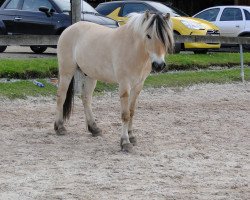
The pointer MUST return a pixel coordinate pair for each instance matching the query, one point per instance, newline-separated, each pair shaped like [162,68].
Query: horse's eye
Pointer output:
[148,36]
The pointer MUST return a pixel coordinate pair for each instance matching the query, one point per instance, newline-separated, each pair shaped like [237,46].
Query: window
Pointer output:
[134,7]
[209,15]
[12,4]
[106,9]
[247,14]
[231,14]
[34,5]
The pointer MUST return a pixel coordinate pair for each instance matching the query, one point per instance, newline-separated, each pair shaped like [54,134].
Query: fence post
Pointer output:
[242,64]
[75,17]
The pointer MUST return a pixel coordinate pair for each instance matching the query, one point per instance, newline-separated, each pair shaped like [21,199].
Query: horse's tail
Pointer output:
[69,101]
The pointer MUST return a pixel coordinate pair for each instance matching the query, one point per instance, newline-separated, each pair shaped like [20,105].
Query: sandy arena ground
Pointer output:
[193,143]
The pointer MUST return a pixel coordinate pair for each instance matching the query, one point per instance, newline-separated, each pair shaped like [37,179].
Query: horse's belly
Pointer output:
[100,73]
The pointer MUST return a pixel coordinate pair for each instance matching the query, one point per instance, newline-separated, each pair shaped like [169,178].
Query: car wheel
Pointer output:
[177,47]
[2,48]
[38,49]
[201,51]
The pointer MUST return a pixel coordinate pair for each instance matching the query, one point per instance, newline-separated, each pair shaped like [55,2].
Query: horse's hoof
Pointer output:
[95,130]
[61,131]
[98,133]
[133,140]
[128,147]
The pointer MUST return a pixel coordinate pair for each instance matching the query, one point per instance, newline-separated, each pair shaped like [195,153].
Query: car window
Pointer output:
[106,9]
[12,4]
[34,5]
[133,7]
[231,14]
[247,14]
[209,15]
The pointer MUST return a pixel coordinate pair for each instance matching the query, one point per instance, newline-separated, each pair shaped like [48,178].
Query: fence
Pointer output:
[51,40]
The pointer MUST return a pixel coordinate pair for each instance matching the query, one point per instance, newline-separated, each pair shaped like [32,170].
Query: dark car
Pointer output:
[43,17]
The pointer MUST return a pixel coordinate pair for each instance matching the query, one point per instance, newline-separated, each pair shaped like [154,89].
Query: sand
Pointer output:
[193,143]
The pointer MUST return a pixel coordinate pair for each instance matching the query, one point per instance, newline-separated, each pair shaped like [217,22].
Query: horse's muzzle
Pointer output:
[158,67]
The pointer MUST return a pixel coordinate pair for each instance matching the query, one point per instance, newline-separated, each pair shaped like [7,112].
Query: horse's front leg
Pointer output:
[124,91]
[87,92]
[135,91]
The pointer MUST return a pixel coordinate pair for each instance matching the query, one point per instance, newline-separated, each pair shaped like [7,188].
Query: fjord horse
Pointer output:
[124,55]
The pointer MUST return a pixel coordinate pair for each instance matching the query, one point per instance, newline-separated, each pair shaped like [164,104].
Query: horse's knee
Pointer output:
[125,116]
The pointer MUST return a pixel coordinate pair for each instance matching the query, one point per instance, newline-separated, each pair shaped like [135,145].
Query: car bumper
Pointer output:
[203,45]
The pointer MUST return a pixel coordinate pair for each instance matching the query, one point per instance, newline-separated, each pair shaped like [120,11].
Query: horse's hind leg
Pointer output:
[87,92]
[65,80]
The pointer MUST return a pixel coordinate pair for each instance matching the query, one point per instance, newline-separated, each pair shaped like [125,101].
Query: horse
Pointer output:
[124,55]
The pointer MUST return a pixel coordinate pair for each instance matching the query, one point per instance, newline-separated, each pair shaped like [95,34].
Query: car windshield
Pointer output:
[165,9]
[65,6]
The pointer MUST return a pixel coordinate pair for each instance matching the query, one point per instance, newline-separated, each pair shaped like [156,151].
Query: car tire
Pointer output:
[38,49]
[200,51]
[2,48]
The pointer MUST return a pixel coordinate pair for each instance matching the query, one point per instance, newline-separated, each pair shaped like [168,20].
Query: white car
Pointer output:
[232,21]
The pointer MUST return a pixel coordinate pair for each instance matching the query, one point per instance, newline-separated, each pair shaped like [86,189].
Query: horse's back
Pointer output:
[88,46]
[80,29]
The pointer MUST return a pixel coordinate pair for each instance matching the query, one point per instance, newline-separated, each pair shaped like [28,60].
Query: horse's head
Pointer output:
[157,33]
[158,38]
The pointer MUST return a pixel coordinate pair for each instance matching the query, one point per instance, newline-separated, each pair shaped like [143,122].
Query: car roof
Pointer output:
[130,1]
[229,6]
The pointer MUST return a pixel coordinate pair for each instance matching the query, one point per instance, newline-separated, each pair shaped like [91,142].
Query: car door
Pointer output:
[8,14]
[29,20]
[231,22]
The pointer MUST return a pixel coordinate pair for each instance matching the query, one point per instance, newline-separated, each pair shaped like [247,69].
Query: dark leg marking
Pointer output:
[132,139]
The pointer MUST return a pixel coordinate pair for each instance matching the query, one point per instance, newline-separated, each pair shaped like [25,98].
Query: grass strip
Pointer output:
[28,68]
[47,67]
[24,88]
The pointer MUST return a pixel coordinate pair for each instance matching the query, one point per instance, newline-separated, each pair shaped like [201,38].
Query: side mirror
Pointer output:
[45,10]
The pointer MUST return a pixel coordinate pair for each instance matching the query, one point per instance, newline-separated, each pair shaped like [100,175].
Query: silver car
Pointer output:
[232,21]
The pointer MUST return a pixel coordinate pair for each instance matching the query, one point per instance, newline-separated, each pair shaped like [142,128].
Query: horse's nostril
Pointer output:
[158,66]
[162,65]
[154,65]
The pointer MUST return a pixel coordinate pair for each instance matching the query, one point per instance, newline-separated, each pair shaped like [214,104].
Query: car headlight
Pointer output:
[193,25]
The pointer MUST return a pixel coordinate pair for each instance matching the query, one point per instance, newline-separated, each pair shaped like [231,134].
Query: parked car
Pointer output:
[182,25]
[232,21]
[43,17]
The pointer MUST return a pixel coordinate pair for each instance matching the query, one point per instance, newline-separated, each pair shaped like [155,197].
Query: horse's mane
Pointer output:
[155,24]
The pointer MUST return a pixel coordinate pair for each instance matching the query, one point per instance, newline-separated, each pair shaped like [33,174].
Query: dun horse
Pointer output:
[125,55]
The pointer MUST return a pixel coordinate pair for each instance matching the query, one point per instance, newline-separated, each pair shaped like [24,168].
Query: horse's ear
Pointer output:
[166,16]
[146,14]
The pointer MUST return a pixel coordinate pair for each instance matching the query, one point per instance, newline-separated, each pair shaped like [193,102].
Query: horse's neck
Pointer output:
[134,42]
